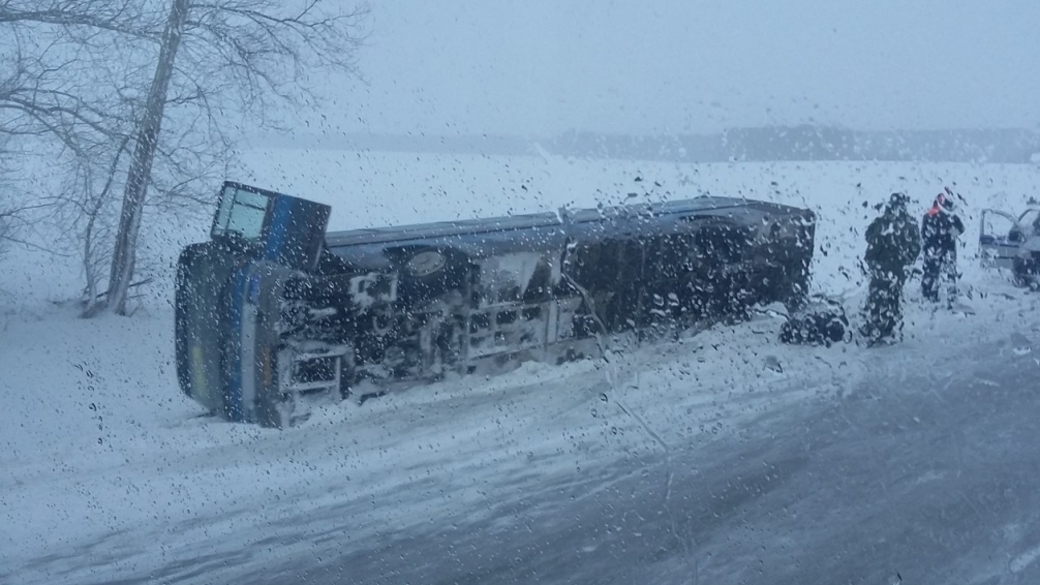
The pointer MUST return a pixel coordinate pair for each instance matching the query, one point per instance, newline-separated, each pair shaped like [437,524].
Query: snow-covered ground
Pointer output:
[109,471]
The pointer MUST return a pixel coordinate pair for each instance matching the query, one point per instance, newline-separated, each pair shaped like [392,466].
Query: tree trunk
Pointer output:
[139,176]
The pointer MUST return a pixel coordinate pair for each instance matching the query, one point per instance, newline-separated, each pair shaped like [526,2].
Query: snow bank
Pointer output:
[110,472]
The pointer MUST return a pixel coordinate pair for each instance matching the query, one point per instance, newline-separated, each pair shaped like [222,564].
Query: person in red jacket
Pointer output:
[939,232]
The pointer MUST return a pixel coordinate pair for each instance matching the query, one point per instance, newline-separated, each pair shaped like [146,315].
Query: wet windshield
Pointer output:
[586,291]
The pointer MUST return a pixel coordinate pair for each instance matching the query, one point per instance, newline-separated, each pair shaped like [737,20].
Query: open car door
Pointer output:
[1000,238]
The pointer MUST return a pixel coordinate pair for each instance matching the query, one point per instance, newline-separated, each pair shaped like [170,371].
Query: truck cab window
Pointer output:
[241,214]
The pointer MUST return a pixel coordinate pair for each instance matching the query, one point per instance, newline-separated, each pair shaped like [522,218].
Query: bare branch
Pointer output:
[123,18]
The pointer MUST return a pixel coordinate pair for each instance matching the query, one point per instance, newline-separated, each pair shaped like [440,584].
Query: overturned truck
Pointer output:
[273,308]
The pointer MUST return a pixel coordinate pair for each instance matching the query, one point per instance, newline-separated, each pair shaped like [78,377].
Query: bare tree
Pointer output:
[85,205]
[18,125]
[50,105]
[11,220]
[57,102]
[105,74]
[14,221]
[261,50]
[147,140]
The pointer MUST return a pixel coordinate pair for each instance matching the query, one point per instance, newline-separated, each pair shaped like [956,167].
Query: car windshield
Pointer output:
[520,292]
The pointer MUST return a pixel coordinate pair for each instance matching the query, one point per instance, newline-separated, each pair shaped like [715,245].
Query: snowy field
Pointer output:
[106,464]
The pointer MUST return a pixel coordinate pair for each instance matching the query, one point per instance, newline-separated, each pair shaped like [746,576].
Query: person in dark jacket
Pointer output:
[940,229]
[893,244]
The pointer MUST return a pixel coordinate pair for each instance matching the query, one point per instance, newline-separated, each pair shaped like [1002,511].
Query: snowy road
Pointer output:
[927,475]
[931,482]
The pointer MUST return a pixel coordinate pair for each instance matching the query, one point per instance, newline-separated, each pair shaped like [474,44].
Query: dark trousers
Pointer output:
[884,310]
[939,267]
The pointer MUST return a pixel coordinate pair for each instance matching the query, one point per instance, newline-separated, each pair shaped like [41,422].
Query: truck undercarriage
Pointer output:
[273,307]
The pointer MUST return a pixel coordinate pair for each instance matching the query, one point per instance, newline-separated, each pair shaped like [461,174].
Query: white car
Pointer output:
[1012,243]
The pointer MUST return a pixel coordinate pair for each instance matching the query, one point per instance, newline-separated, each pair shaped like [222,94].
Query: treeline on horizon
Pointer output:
[809,143]
[772,143]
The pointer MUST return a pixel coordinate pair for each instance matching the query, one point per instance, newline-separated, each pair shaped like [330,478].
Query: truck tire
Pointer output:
[427,272]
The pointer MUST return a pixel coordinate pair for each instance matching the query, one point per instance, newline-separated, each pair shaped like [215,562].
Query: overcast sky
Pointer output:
[540,67]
